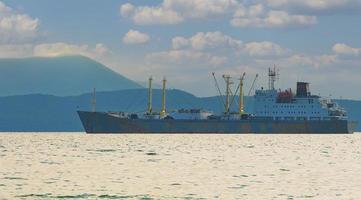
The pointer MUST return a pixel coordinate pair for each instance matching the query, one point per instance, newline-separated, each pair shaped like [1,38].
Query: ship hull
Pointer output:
[101,122]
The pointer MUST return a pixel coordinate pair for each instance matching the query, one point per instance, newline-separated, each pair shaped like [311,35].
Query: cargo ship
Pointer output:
[274,112]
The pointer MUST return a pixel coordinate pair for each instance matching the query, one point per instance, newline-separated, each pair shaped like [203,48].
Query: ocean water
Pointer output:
[80,166]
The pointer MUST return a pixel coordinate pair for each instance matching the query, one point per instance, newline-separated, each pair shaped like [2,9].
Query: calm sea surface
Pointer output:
[79,166]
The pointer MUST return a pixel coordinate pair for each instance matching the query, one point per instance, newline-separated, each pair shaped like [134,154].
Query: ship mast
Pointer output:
[227,78]
[241,106]
[272,75]
[150,95]
[163,111]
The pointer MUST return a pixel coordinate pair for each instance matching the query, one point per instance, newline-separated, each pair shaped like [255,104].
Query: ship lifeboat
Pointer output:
[285,96]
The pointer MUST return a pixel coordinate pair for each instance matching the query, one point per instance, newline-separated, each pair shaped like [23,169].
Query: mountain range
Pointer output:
[60,76]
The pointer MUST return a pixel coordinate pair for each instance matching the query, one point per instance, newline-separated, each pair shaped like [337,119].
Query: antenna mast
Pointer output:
[272,75]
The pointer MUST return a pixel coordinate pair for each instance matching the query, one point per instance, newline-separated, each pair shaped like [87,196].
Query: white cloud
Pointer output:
[309,61]
[185,57]
[210,51]
[127,10]
[198,55]
[341,48]
[16,50]
[101,49]
[273,19]
[52,50]
[198,9]
[135,37]
[179,42]
[176,11]
[260,13]
[60,49]
[145,15]
[282,19]
[15,27]
[156,15]
[201,41]
[315,5]
[221,43]
[207,40]
[264,48]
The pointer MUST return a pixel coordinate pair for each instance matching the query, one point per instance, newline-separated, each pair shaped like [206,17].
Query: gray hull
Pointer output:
[101,122]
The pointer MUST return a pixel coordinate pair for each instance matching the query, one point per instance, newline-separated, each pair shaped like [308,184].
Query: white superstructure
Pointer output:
[285,105]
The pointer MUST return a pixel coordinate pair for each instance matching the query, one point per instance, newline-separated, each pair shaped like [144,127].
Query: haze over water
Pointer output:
[80,166]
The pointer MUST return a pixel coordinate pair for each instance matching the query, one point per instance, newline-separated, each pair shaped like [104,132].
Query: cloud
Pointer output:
[194,57]
[265,48]
[16,50]
[260,13]
[271,19]
[180,42]
[207,40]
[61,49]
[98,52]
[126,10]
[135,37]
[185,57]
[303,61]
[211,51]
[201,41]
[341,48]
[176,11]
[101,49]
[145,15]
[15,27]
[198,9]
[315,6]
[220,43]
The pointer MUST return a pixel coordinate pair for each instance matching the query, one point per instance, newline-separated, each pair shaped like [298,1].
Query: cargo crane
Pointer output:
[229,92]
[252,86]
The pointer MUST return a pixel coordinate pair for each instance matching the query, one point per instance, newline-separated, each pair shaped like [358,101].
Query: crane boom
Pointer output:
[238,87]
[219,91]
[254,81]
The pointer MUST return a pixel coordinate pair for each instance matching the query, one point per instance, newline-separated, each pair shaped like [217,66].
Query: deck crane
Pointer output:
[229,82]
[254,81]
[240,88]
[219,90]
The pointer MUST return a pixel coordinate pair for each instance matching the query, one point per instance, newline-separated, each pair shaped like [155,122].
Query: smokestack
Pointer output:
[303,89]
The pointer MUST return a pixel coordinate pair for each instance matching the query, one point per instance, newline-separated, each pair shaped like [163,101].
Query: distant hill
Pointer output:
[52,113]
[61,76]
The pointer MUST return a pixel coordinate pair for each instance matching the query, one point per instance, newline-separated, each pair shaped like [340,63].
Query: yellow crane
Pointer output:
[150,109]
[163,111]
[241,106]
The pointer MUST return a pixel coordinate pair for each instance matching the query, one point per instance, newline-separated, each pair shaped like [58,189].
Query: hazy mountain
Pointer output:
[61,76]
[51,113]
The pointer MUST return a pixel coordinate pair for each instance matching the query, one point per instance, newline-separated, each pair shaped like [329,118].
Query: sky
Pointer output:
[317,41]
